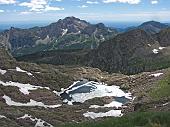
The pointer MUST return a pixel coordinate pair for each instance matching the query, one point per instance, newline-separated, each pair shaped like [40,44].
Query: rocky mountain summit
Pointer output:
[68,33]
[153,27]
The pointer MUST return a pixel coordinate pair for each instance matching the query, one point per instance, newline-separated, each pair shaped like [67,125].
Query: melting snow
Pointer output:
[39,122]
[24,88]
[64,32]
[149,45]
[31,103]
[161,48]
[115,113]
[81,91]
[112,104]
[20,70]
[2,116]
[157,74]
[165,104]
[155,51]
[2,71]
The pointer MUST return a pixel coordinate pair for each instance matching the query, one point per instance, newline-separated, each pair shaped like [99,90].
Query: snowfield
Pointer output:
[82,91]
[156,74]
[115,113]
[32,103]
[23,88]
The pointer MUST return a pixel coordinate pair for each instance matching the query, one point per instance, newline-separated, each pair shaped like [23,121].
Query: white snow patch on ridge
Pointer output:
[39,122]
[2,71]
[156,74]
[93,115]
[32,103]
[24,88]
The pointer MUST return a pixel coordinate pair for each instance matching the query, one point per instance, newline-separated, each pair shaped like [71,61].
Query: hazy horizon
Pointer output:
[30,24]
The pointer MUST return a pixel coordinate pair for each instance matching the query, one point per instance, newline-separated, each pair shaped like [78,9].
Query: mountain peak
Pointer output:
[153,27]
[154,23]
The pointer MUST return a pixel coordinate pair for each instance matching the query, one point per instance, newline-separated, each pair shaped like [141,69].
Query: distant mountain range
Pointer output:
[69,33]
[151,27]
[130,52]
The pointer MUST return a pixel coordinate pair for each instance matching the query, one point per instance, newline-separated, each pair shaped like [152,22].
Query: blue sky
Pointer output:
[90,10]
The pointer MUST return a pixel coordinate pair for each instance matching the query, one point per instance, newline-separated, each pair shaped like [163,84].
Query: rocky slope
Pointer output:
[163,37]
[130,52]
[71,33]
[32,95]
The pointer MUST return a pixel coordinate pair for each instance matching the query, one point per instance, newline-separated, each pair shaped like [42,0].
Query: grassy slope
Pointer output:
[140,119]
[162,90]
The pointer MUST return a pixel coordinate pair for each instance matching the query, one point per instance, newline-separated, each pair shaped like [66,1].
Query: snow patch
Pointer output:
[165,104]
[112,104]
[20,70]
[156,74]
[93,115]
[39,122]
[32,103]
[161,48]
[2,116]
[2,71]
[24,88]
[155,51]
[149,45]
[64,31]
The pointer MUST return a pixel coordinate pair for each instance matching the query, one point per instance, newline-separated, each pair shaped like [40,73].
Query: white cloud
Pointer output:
[154,2]
[123,1]
[40,6]
[92,2]
[49,8]
[35,5]
[7,1]
[1,11]
[83,6]
[25,12]
[136,16]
